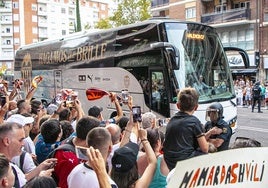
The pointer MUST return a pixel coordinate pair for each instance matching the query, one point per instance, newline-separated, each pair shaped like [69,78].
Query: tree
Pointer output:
[127,12]
[78,19]
[103,24]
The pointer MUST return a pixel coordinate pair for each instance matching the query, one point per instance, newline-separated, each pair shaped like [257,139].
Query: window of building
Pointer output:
[103,7]
[8,42]
[34,18]
[265,18]
[95,6]
[250,35]
[34,29]
[225,37]
[16,40]
[95,15]
[220,8]
[241,35]
[7,30]
[34,7]
[71,12]
[15,5]
[15,17]
[242,5]
[16,29]
[63,10]
[190,12]
[63,32]
[233,36]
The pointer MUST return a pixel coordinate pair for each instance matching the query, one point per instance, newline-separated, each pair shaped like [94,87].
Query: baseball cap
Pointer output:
[125,158]
[20,119]
[95,111]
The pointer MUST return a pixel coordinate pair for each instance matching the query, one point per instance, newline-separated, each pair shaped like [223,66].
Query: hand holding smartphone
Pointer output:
[81,153]
[136,111]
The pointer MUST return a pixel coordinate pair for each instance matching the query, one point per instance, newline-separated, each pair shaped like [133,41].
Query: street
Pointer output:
[252,125]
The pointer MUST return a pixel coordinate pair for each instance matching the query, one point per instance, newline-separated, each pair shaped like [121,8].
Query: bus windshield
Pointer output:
[203,64]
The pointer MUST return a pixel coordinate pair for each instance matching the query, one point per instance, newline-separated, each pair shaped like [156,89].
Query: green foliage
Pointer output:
[103,24]
[128,12]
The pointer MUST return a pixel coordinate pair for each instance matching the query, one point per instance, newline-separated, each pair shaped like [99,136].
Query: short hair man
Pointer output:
[24,106]
[116,135]
[67,159]
[7,177]
[148,120]
[49,139]
[11,143]
[82,175]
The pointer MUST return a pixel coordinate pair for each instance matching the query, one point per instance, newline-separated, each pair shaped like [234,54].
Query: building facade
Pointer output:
[29,21]
[240,23]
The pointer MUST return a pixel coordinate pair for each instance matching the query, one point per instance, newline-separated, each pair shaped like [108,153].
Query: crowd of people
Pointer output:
[247,97]
[63,146]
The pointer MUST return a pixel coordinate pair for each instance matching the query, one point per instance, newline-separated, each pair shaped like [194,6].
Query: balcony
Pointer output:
[159,3]
[227,16]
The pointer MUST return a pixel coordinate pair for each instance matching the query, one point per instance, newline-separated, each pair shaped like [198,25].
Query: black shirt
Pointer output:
[181,138]
[225,135]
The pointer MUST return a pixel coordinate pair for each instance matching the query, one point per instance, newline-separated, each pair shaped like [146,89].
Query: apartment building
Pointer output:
[240,23]
[29,21]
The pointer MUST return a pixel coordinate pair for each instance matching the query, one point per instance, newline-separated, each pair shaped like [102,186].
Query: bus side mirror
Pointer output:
[172,52]
[174,58]
[242,52]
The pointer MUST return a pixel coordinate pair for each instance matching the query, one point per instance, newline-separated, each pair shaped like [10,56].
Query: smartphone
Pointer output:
[124,94]
[81,152]
[136,111]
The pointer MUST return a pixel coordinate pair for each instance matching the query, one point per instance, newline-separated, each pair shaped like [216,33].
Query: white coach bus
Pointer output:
[152,59]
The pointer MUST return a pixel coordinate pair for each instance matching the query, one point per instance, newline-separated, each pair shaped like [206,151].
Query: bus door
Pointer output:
[57,81]
[159,97]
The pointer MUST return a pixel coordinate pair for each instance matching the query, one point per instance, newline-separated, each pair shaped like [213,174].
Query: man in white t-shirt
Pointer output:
[11,143]
[83,175]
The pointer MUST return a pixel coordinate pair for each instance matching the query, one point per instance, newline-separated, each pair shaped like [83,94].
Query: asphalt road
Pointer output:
[252,125]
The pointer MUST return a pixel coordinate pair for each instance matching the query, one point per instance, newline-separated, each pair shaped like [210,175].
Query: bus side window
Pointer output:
[158,91]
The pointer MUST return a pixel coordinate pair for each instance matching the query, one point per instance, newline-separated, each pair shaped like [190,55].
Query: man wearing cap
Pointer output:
[27,123]
[26,160]
[95,111]
[11,142]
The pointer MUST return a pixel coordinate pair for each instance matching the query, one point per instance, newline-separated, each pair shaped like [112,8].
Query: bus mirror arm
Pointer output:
[165,45]
[242,52]
[171,50]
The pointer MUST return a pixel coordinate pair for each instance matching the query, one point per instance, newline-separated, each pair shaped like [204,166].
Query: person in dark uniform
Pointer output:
[218,131]
[184,137]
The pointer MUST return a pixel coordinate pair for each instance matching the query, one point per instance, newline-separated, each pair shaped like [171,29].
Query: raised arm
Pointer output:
[97,162]
[118,107]
[147,176]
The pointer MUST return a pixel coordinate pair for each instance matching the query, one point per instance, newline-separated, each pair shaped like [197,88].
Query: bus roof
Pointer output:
[155,20]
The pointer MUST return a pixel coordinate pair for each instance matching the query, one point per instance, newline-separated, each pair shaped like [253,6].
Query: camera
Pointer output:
[136,111]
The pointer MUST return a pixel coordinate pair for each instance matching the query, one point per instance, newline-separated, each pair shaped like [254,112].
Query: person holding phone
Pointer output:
[125,170]
[83,175]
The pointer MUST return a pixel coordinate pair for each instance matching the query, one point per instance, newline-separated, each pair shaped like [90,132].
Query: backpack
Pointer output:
[256,91]
[21,162]
[67,146]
